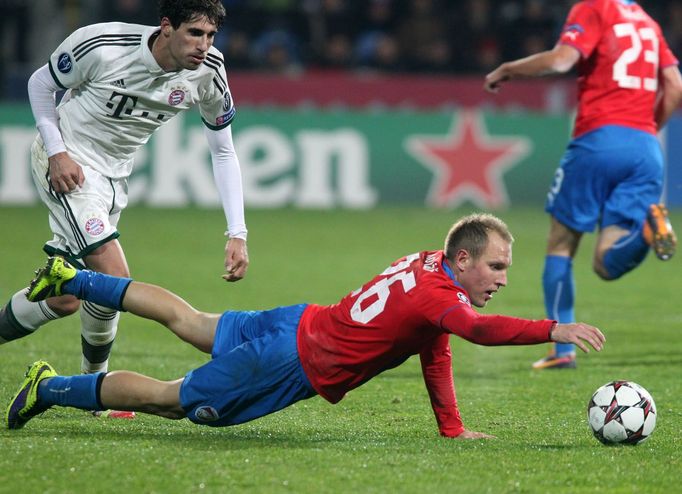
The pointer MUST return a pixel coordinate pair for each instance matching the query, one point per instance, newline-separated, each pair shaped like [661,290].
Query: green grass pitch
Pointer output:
[382,437]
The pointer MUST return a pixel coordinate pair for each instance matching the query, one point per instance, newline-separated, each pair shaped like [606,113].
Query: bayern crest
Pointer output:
[94,227]
[176,96]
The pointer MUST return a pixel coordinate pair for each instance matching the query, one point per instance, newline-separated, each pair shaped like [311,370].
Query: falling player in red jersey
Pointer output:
[264,361]
[611,175]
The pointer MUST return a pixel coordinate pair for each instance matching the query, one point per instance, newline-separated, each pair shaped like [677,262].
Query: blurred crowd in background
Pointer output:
[293,36]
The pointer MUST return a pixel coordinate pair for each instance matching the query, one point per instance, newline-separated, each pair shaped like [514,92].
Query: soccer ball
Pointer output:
[621,412]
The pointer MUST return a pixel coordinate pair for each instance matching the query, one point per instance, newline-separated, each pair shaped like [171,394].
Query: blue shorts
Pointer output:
[255,369]
[608,176]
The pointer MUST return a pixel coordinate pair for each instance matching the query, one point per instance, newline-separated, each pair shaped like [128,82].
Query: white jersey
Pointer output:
[118,95]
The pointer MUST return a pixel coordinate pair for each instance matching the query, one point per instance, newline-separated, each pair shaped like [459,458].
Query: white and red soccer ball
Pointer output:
[621,412]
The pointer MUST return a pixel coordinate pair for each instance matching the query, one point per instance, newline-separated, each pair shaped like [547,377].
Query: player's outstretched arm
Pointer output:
[579,334]
[556,61]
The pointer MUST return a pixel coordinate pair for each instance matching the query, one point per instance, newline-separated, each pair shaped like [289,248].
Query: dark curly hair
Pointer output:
[179,11]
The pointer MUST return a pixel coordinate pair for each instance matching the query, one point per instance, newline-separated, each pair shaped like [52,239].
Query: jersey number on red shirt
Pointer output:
[381,289]
[632,54]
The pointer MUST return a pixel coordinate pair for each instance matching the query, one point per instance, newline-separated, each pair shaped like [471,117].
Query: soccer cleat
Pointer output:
[554,362]
[49,280]
[113,414]
[24,404]
[658,232]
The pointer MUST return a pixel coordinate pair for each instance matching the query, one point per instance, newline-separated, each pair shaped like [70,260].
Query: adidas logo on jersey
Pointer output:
[119,83]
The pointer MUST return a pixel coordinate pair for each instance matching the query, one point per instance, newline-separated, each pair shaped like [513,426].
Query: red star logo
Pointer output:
[468,163]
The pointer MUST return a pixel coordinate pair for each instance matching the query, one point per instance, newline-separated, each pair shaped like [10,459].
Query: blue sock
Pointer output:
[559,289]
[626,254]
[99,288]
[80,391]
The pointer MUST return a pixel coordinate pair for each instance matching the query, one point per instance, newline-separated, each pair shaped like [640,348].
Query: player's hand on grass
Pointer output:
[236,259]
[474,435]
[64,173]
[579,333]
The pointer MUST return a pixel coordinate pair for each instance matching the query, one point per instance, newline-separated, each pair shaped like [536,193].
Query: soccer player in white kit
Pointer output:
[122,82]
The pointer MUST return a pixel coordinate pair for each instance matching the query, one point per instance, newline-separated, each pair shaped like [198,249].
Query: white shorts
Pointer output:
[83,219]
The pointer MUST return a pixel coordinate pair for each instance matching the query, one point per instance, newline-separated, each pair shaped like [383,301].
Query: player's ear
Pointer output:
[166,26]
[462,259]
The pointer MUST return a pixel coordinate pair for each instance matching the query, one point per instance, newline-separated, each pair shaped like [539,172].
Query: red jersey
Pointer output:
[623,52]
[411,308]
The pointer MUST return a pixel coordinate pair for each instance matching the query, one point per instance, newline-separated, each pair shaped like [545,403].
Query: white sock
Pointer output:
[25,317]
[98,330]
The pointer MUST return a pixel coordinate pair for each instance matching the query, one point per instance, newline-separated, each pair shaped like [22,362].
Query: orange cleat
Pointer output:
[658,232]
[554,362]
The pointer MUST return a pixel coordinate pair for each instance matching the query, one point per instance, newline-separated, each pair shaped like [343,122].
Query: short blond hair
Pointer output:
[471,233]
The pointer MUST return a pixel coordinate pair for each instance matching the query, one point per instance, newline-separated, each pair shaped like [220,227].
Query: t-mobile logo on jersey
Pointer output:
[126,104]
[123,104]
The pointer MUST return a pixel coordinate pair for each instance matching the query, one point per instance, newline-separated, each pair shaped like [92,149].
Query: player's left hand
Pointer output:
[579,333]
[236,259]
[474,435]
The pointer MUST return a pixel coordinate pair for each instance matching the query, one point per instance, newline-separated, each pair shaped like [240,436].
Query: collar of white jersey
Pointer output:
[147,57]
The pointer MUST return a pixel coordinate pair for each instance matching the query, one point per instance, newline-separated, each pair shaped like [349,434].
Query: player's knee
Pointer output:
[605,274]
[108,259]
[116,270]
[601,271]
[122,271]
[194,327]
[65,305]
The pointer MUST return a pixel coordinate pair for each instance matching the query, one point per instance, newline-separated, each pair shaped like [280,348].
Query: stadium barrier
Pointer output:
[354,158]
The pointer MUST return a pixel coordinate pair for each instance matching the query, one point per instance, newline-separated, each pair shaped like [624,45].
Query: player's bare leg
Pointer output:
[125,390]
[620,250]
[158,304]
[562,240]
[608,237]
